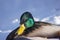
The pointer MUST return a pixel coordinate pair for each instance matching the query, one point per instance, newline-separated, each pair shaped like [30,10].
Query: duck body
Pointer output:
[43,29]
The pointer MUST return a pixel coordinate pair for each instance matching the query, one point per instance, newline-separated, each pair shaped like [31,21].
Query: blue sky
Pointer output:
[11,10]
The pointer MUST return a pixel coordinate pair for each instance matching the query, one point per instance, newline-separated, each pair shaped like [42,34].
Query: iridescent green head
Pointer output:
[26,21]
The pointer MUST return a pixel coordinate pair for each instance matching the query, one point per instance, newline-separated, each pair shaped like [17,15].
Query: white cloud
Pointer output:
[57,19]
[45,19]
[15,21]
[6,31]
[36,19]
[0,31]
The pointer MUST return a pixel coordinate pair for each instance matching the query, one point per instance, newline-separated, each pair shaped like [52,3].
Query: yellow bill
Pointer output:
[21,29]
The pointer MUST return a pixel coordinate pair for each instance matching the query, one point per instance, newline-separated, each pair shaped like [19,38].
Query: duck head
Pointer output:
[26,21]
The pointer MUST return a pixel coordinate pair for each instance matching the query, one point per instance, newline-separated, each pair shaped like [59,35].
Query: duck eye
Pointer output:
[29,23]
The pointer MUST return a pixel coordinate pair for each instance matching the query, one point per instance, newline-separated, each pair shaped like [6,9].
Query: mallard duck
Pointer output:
[30,28]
